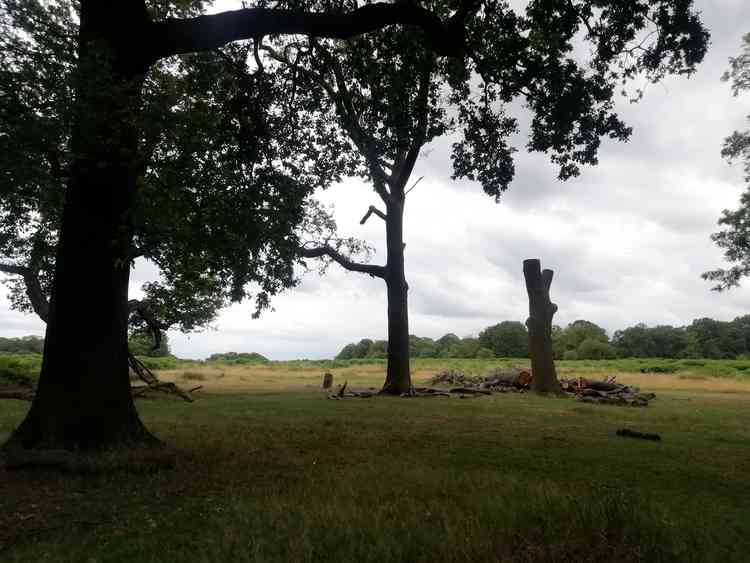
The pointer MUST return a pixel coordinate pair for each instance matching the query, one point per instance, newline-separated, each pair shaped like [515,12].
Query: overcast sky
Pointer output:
[627,240]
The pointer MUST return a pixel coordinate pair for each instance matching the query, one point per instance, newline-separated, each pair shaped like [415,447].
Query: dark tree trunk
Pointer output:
[83,400]
[539,323]
[398,376]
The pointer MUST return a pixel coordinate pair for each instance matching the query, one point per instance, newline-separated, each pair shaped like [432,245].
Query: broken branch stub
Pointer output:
[327,380]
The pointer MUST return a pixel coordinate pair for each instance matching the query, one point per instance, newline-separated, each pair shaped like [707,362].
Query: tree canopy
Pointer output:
[506,339]
[228,170]
[734,238]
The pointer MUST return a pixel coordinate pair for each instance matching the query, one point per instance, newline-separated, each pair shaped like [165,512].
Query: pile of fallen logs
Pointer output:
[504,380]
[498,379]
[607,392]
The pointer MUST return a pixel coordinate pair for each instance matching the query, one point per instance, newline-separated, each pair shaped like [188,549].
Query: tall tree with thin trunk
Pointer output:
[83,400]
[388,112]
[392,97]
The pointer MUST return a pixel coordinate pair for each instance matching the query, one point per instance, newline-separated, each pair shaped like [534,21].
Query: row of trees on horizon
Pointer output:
[580,340]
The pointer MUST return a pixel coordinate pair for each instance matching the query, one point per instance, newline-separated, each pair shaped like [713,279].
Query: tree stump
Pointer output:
[327,380]
[539,323]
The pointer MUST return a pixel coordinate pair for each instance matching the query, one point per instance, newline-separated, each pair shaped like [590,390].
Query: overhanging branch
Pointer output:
[203,33]
[343,261]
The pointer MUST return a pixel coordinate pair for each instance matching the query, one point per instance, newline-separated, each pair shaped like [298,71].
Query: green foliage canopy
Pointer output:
[141,343]
[228,166]
[734,239]
[506,339]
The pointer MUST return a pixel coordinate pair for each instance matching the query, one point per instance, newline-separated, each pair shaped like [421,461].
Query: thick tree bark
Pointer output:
[539,323]
[83,400]
[398,376]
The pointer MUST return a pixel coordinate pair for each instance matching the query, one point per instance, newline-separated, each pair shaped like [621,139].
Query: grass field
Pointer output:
[269,470]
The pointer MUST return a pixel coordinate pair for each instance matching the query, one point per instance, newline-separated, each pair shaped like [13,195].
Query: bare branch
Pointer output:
[208,32]
[36,295]
[34,291]
[372,209]
[414,185]
[343,261]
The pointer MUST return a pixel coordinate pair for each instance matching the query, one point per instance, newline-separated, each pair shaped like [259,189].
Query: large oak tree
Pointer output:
[83,398]
[210,144]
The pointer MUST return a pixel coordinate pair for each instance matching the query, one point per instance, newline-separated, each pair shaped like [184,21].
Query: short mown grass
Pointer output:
[269,470]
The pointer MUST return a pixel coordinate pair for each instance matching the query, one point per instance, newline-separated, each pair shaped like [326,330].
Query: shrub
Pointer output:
[484,353]
[594,349]
[160,362]
[570,355]
[238,358]
[19,369]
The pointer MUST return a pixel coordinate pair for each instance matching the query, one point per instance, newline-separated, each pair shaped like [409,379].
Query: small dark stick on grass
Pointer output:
[627,433]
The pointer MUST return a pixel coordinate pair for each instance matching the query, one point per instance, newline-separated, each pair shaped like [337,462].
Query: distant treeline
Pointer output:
[703,338]
[238,358]
[140,343]
[25,344]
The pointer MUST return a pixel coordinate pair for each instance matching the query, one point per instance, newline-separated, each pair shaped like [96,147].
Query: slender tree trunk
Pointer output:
[398,377]
[83,400]
[539,323]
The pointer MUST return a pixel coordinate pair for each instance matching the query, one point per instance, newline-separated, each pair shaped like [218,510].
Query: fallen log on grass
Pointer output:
[508,377]
[627,433]
[18,393]
[343,393]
